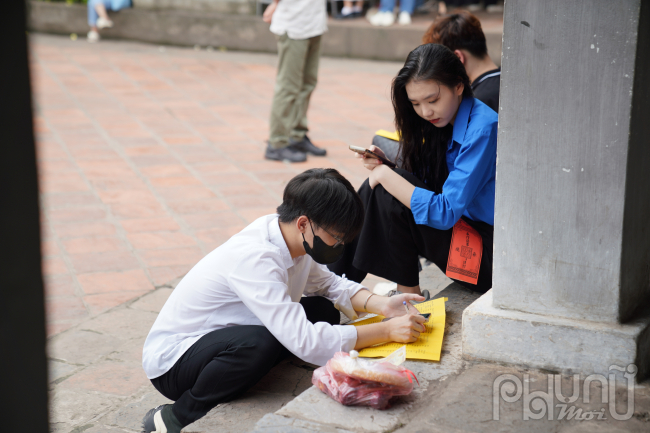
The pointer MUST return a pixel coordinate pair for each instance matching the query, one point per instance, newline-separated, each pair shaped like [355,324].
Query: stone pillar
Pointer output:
[572,215]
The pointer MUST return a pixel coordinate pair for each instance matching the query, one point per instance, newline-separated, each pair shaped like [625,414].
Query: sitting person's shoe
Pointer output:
[161,419]
[305,145]
[285,153]
[382,19]
[425,293]
[404,18]
[103,23]
[93,36]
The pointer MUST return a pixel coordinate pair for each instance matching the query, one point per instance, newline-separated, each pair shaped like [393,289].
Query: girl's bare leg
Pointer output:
[407,289]
[101,11]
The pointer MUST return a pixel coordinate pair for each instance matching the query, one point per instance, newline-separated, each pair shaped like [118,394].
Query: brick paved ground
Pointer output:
[151,157]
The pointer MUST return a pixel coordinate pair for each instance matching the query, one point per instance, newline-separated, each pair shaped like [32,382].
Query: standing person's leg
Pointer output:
[406,8]
[298,138]
[288,84]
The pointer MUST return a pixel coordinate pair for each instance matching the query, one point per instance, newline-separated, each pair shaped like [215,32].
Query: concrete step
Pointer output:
[353,39]
[314,411]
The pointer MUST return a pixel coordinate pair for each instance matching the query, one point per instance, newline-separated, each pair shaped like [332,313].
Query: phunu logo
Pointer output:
[540,404]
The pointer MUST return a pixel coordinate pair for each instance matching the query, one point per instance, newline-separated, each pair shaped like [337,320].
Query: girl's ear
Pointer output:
[460,87]
[460,55]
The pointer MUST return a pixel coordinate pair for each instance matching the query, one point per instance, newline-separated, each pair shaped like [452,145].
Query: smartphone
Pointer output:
[371,154]
[425,315]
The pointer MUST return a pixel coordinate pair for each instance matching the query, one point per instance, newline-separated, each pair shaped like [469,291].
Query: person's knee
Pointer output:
[262,341]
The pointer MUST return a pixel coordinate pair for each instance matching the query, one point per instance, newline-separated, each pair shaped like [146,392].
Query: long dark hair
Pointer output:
[423,146]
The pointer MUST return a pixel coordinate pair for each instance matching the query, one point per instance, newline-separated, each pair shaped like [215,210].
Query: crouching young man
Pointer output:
[263,294]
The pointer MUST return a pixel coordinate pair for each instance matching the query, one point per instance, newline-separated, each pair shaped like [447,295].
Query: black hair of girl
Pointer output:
[423,146]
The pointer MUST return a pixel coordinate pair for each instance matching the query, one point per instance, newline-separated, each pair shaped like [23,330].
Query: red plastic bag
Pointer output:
[360,382]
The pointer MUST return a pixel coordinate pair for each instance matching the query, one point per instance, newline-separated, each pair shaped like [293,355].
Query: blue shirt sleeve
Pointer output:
[471,171]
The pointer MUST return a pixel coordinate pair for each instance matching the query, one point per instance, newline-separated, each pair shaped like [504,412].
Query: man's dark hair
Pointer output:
[325,197]
[458,31]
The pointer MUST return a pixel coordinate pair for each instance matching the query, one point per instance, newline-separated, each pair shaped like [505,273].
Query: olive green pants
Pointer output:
[296,80]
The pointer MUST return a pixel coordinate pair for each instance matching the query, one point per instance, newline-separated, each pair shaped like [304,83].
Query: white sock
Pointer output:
[347,10]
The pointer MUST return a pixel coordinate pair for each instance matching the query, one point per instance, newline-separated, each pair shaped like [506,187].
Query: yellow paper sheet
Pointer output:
[387,134]
[427,347]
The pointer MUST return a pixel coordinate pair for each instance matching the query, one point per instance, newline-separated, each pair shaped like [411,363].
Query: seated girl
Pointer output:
[448,149]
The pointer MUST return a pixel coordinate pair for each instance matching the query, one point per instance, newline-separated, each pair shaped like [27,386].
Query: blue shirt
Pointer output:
[471,160]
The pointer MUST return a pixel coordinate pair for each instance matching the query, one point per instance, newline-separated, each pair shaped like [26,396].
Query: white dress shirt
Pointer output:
[252,280]
[300,19]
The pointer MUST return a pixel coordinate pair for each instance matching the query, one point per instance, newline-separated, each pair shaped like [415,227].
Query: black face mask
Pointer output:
[321,252]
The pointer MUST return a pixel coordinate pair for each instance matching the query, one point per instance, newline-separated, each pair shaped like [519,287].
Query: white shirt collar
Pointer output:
[276,238]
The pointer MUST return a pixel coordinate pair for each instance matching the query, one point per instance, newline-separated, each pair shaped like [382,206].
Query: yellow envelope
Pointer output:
[428,346]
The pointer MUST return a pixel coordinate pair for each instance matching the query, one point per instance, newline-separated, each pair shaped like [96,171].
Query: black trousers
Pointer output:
[225,363]
[390,242]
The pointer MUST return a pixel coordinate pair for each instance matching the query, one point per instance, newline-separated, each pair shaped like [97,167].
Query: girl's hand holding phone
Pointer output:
[369,162]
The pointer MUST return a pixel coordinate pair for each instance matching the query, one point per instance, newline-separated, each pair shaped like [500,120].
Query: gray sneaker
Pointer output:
[425,293]
[305,145]
[285,153]
[161,419]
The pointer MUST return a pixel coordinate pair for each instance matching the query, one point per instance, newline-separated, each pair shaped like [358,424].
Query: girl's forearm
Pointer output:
[397,186]
[369,335]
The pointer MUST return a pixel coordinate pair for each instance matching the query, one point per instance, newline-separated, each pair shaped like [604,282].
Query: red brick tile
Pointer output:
[165,171]
[107,261]
[217,236]
[54,266]
[97,169]
[59,285]
[134,280]
[171,256]
[100,303]
[165,274]
[213,220]
[143,241]
[280,176]
[180,140]
[146,150]
[252,201]
[251,214]
[84,229]
[243,190]
[49,247]
[70,199]
[93,244]
[65,308]
[198,206]
[186,193]
[173,181]
[264,166]
[216,168]
[137,210]
[228,178]
[54,328]
[76,214]
[150,225]
[63,182]
[129,196]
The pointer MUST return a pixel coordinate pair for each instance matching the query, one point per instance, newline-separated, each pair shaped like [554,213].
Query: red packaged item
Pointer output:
[353,381]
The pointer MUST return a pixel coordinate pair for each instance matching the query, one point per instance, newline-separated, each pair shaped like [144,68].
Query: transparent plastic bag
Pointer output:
[353,381]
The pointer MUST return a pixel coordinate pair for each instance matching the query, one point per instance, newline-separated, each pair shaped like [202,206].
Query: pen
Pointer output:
[405,307]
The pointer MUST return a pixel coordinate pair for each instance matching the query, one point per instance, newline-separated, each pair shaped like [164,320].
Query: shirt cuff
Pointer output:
[420,201]
[348,337]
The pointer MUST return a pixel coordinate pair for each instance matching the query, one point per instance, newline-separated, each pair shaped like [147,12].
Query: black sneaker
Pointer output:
[305,145]
[161,419]
[289,153]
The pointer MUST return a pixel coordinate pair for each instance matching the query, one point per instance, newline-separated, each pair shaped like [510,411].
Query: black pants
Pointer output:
[225,363]
[390,242]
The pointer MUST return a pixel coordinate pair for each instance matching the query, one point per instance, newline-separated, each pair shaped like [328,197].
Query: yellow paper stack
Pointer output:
[428,345]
